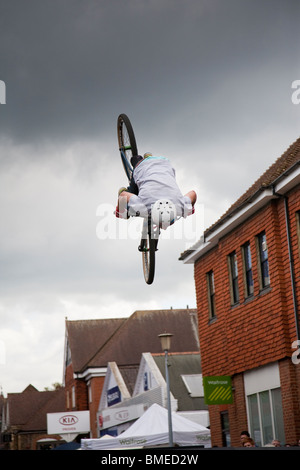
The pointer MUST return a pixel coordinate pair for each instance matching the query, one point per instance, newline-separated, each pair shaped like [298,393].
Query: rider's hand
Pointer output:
[121,214]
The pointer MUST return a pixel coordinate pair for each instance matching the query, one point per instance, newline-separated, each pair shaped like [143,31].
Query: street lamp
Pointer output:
[165,340]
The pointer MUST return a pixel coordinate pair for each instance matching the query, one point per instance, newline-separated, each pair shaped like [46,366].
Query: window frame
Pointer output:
[73,397]
[211,294]
[247,270]
[233,278]
[263,262]
[257,417]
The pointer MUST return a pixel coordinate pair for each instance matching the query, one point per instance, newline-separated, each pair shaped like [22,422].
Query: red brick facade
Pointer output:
[258,329]
[96,387]
[82,395]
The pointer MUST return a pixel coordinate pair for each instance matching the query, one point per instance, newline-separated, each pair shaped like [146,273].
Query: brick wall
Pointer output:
[260,329]
[82,397]
[237,411]
[81,391]
[290,386]
[96,385]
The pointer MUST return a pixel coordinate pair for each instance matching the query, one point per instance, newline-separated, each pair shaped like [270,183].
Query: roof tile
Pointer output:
[94,343]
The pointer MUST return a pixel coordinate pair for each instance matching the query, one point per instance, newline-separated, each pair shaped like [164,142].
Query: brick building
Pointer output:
[91,344]
[24,419]
[247,278]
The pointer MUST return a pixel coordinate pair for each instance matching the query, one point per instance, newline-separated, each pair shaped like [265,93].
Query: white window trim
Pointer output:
[263,379]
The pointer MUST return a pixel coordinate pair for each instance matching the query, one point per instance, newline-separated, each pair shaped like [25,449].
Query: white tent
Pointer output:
[151,429]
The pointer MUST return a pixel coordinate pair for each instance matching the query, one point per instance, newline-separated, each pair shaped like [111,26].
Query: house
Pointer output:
[24,418]
[247,278]
[91,344]
[119,408]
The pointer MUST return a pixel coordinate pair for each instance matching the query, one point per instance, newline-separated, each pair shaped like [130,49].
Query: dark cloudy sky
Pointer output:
[206,83]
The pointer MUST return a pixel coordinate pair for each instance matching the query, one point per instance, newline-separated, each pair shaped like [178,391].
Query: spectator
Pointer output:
[244,435]
[276,443]
[248,442]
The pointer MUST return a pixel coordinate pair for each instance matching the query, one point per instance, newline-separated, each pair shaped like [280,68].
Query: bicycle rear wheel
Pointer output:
[127,143]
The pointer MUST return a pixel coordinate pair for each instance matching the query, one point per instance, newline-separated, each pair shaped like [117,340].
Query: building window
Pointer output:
[263,260]
[193,384]
[233,276]
[73,397]
[225,429]
[266,417]
[248,275]
[211,294]
[68,354]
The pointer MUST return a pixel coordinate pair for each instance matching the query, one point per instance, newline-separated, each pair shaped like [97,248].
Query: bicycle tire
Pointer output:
[148,255]
[127,143]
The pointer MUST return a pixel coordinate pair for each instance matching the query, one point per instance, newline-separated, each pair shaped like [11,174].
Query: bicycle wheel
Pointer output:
[148,248]
[127,143]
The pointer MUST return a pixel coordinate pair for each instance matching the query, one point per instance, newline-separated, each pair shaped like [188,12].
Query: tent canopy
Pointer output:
[152,429]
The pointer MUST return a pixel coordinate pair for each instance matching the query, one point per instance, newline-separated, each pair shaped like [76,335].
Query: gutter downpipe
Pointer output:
[291,266]
[291,261]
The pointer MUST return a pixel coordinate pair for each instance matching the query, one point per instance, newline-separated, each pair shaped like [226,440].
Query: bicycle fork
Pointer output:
[148,229]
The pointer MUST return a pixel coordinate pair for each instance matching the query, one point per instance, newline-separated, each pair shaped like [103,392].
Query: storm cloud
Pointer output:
[206,83]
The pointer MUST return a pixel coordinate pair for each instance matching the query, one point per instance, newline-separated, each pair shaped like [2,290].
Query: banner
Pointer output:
[217,390]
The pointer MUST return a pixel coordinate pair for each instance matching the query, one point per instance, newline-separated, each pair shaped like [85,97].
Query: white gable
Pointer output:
[114,389]
[149,375]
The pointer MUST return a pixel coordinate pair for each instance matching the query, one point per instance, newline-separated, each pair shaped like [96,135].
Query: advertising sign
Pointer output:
[69,422]
[113,396]
[114,416]
[217,390]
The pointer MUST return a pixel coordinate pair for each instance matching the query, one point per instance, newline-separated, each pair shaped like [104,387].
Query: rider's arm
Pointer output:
[132,188]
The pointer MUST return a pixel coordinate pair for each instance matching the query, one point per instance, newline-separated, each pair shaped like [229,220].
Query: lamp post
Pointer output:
[165,340]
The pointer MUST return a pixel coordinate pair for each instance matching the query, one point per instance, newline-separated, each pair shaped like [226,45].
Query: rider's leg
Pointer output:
[122,206]
[193,196]
[126,194]
[130,204]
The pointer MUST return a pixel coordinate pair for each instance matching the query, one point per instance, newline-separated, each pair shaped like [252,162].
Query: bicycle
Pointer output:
[150,232]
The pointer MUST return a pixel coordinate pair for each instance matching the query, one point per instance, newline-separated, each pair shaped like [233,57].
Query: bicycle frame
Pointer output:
[127,166]
[150,229]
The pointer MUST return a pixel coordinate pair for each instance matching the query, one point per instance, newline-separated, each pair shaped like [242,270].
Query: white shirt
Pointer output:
[155,179]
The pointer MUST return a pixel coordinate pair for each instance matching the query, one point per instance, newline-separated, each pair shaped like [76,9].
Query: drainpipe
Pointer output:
[287,223]
[291,261]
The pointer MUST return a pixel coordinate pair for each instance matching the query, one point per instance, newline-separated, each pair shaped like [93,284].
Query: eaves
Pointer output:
[280,187]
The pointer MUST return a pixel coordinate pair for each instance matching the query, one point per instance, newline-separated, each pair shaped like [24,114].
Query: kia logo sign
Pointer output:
[68,420]
[122,415]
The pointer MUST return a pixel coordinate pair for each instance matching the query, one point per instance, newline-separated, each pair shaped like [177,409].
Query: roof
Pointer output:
[86,337]
[129,374]
[279,169]
[182,364]
[28,409]
[123,341]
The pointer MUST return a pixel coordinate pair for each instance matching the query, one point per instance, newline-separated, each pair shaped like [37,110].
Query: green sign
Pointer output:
[217,390]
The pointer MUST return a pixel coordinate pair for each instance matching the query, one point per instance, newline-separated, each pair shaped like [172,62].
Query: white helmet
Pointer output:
[163,213]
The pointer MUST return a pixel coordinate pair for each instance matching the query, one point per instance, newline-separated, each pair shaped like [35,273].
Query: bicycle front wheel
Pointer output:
[148,254]
[127,143]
